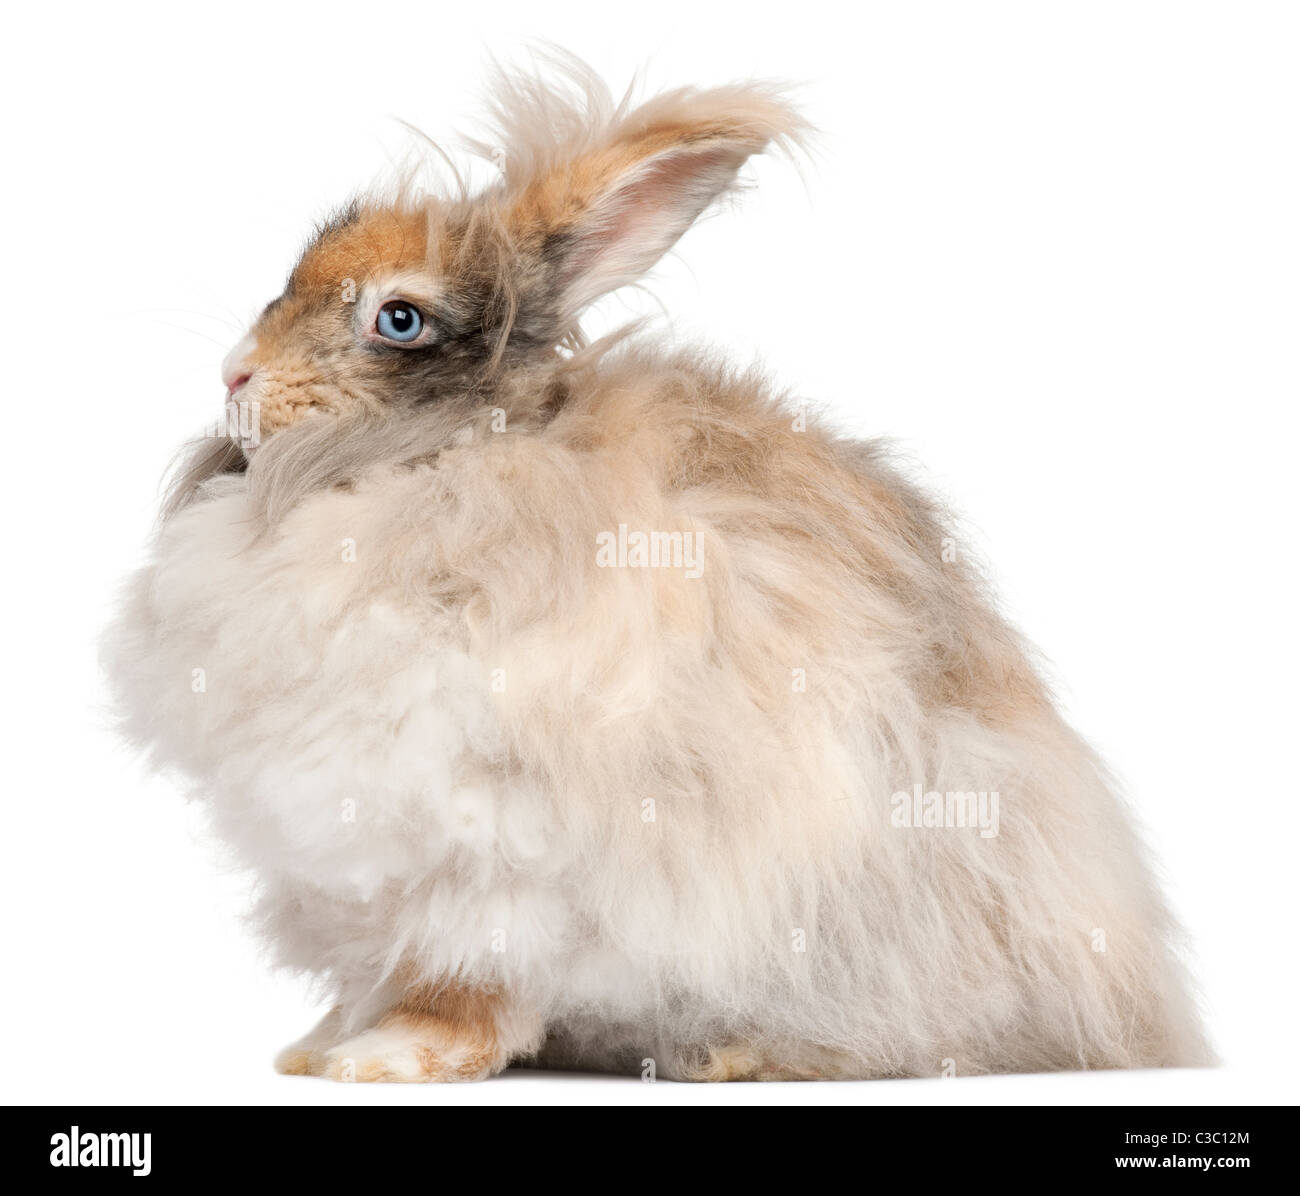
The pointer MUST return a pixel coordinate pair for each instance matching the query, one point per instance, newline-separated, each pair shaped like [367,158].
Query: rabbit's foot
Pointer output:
[306,1057]
[437,1035]
[741,1061]
[413,1049]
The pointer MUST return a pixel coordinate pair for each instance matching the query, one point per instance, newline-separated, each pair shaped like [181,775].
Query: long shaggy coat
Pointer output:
[594,705]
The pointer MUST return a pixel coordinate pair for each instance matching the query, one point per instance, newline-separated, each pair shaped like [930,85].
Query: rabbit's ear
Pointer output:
[597,210]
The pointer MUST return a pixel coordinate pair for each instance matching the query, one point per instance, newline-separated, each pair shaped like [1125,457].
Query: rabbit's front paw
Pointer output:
[411,1048]
[306,1057]
[438,1034]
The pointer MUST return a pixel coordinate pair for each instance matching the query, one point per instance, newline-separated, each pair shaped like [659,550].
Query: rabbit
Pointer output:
[594,705]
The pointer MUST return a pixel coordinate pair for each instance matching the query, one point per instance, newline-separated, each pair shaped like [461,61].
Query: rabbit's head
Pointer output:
[420,299]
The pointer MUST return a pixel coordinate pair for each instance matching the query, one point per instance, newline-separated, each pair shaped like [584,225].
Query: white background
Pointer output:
[1051,249]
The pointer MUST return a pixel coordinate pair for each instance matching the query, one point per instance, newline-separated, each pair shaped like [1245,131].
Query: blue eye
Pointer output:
[399,321]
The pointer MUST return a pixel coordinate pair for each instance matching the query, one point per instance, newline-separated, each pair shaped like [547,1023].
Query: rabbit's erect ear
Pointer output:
[596,195]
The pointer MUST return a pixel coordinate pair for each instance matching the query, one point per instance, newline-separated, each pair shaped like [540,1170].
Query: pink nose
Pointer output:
[238,366]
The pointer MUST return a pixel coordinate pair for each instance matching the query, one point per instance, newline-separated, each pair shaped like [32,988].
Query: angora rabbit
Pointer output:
[589,705]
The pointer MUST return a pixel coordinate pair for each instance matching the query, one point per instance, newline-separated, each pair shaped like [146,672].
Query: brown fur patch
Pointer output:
[391,238]
[450,1021]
